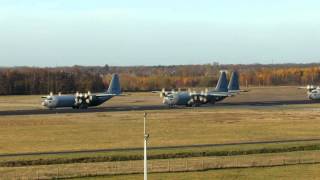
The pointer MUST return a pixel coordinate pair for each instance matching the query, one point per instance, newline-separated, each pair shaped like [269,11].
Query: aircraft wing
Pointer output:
[222,94]
[303,87]
[238,91]
[108,94]
[309,87]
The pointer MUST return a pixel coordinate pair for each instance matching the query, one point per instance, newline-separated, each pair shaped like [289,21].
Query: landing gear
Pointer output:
[196,104]
[213,101]
[193,104]
[83,106]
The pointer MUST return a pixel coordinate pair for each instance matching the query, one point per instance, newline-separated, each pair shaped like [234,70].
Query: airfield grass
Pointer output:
[298,172]
[232,150]
[37,133]
[85,169]
[170,127]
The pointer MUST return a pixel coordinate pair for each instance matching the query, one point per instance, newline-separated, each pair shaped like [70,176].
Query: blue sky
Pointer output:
[144,32]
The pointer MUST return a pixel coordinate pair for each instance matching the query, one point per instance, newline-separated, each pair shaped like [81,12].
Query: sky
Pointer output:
[144,32]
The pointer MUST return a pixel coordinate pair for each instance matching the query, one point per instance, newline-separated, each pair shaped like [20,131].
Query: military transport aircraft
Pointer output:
[83,101]
[193,98]
[313,92]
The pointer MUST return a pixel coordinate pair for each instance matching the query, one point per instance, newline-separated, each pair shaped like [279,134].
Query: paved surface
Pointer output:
[149,107]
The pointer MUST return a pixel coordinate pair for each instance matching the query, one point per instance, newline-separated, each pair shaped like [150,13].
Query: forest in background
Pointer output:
[36,80]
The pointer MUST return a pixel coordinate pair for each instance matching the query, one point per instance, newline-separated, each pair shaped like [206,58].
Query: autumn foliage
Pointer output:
[33,80]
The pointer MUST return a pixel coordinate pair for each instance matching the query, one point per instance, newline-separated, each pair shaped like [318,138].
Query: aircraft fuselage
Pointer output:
[185,99]
[70,101]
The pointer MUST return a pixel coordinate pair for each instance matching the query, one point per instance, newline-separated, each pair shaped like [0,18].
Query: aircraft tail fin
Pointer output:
[114,86]
[222,84]
[234,82]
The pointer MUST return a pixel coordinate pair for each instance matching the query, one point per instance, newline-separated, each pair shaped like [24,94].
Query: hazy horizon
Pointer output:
[102,65]
[125,33]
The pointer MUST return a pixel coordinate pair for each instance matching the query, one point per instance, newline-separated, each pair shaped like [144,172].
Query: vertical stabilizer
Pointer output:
[222,85]
[234,82]
[114,87]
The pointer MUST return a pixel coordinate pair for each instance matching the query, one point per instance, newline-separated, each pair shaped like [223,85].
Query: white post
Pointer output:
[146,136]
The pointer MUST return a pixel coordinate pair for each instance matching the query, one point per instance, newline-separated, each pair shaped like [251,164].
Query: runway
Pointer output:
[157,148]
[89,110]
[150,107]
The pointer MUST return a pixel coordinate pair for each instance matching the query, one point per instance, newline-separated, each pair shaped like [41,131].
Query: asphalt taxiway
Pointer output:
[151,107]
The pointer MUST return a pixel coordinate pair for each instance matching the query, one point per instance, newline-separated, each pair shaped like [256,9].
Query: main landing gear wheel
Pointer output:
[83,106]
[196,104]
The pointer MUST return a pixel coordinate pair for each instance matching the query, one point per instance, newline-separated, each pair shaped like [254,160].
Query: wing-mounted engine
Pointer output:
[46,99]
[82,101]
[165,93]
[198,98]
[311,87]
[195,98]
[204,96]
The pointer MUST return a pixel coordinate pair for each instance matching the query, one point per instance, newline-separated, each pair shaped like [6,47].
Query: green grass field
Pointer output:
[166,127]
[294,172]
[185,164]
[170,127]
[193,164]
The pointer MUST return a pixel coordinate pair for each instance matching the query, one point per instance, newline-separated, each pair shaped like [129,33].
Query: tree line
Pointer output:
[35,80]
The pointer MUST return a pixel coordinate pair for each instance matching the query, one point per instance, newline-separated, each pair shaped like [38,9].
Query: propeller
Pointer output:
[162,93]
[50,95]
[83,98]
[87,101]
[163,101]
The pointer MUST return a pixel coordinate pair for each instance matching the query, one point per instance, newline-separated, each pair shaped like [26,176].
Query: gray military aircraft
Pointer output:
[83,101]
[313,92]
[192,98]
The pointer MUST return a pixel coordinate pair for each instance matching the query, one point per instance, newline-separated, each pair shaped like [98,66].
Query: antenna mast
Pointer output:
[146,136]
